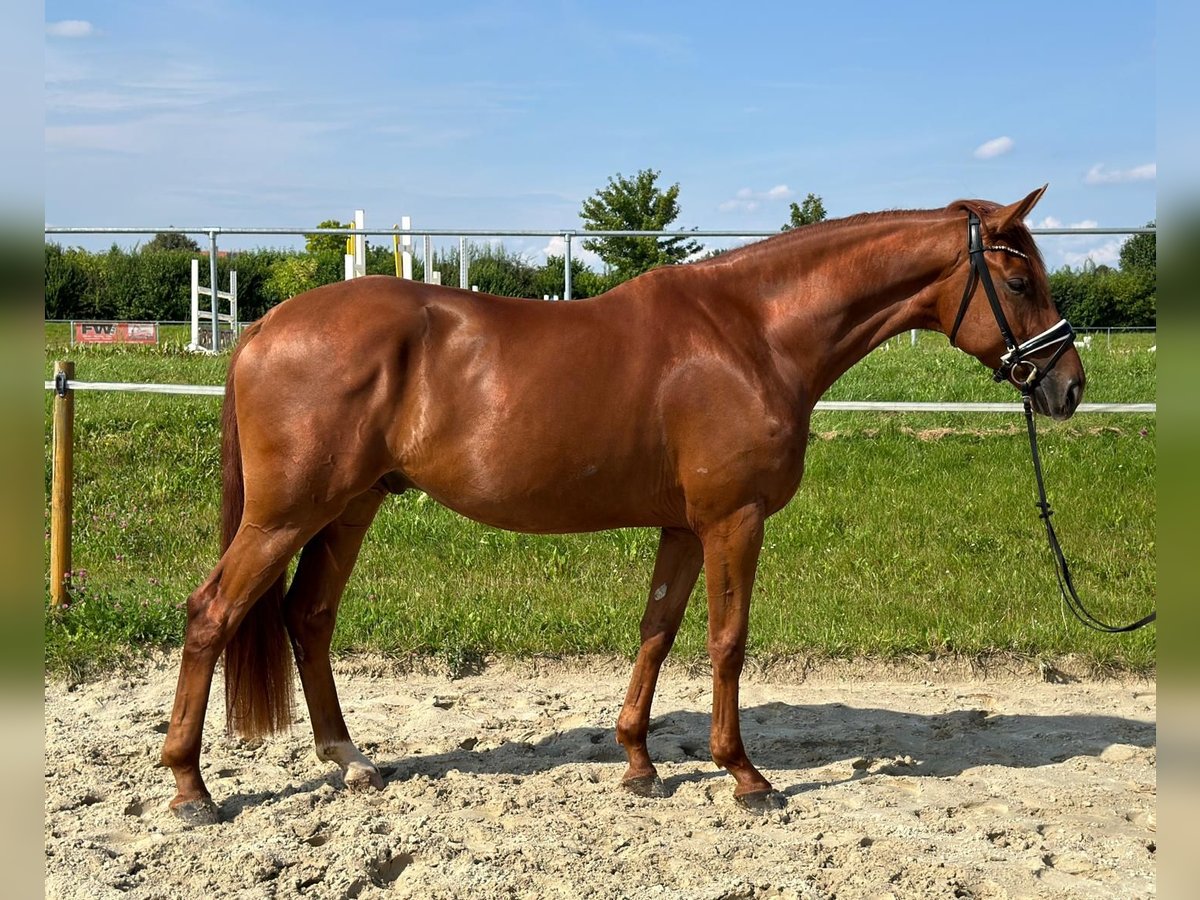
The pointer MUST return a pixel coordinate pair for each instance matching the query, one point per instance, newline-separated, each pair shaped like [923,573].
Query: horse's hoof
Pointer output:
[761,801]
[360,779]
[201,811]
[645,786]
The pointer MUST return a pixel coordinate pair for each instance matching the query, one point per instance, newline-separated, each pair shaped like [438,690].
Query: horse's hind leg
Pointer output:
[310,613]
[675,571]
[252,562]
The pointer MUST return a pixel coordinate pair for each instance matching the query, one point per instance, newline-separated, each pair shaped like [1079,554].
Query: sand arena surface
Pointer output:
[901,781]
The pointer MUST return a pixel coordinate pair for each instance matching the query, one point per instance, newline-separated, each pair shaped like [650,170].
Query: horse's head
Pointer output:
[1004,315]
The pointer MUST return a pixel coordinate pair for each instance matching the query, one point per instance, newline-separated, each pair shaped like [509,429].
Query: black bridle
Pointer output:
[1017,367]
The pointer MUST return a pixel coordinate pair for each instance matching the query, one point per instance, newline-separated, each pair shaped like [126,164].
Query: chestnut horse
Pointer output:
[679,400]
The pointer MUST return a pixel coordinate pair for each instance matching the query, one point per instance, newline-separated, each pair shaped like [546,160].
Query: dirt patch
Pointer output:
[504,784]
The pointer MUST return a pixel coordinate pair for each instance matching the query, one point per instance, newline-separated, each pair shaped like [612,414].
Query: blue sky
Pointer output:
[507,115]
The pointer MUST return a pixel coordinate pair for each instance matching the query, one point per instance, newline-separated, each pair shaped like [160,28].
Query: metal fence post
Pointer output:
[463,264]
[61,482]
[567,265]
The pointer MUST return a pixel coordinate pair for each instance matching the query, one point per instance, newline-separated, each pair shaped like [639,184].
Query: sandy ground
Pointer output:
[901,782]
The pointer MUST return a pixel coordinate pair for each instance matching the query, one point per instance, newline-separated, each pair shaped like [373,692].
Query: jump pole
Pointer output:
[356,248]
[216,299]
[61,482]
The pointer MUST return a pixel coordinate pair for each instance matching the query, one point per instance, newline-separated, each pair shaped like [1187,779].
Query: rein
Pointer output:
[1013,365]
[1062,571]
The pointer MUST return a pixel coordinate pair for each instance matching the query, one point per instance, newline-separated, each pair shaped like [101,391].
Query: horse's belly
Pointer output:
[583,500]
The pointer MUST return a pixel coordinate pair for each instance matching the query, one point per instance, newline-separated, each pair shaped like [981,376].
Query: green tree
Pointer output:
[635,204]
[550,279]
[294,275]
[1139,253]
[169,240]
[805,213]
[327,243]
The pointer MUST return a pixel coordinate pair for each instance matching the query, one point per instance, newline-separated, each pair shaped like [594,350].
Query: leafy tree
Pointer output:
[294,275]
[327,243]
[169,240]
[635,204]
[1139,254]
[550,279]
[805,213]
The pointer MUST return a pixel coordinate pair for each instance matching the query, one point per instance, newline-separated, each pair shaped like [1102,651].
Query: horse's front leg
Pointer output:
[675,571]
[731,548]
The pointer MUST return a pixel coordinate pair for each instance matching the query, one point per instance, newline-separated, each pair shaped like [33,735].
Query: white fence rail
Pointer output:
[216,390]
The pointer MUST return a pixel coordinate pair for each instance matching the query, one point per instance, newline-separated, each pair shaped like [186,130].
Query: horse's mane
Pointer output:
[804,233]
[1017,238]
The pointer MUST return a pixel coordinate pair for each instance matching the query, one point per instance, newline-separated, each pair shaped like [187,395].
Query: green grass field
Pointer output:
[911,534]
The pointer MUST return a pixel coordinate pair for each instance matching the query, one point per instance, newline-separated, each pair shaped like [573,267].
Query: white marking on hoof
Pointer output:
[358,772]
[661,592]
[362,778]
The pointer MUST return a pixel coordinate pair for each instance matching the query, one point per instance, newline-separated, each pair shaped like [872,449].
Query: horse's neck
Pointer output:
[831,300]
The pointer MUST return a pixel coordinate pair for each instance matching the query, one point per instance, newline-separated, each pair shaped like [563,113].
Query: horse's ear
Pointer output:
[1014,214]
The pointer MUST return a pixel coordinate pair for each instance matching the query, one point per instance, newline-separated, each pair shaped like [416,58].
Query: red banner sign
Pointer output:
[115,333]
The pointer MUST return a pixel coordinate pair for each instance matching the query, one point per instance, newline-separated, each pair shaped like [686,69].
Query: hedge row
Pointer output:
[155,284]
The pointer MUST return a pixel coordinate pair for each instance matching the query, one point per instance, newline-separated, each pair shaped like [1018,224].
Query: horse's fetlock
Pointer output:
[727,754]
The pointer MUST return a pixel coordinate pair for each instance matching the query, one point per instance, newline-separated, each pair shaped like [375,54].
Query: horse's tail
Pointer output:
[258,669]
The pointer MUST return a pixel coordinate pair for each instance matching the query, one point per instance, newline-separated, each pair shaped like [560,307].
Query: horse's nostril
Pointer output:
[1075,393]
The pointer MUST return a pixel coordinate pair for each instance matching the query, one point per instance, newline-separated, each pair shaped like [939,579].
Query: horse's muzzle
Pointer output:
[1058,395]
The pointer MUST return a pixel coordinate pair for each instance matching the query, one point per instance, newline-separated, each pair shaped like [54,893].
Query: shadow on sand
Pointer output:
[781,736]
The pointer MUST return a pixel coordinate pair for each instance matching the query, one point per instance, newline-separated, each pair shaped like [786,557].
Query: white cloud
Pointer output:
[748,200]
[1047,222]
[1076,249]
[995,147]
[558,247]
[70,28]
[1107,253]
[1098,174]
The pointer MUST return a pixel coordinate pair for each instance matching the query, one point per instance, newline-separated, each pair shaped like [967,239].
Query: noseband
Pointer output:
[1015,365]
[1025,374]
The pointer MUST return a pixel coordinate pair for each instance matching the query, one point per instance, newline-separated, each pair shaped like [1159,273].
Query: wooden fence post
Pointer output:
[63,476]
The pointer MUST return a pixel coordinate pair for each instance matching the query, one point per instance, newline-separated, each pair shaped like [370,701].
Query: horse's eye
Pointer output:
[1016,285]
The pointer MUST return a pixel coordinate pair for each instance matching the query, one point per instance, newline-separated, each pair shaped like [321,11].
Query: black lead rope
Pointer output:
[1061,570]
[1016,367]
